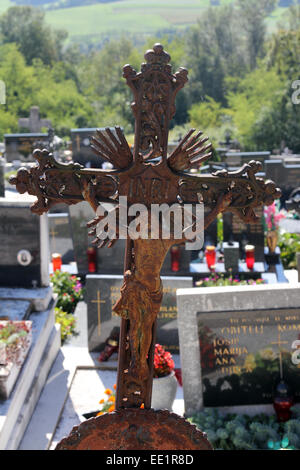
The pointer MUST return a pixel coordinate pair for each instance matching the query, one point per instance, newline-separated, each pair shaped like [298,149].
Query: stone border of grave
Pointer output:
[190,302]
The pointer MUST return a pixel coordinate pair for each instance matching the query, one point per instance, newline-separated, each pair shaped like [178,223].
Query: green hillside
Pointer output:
[139,17]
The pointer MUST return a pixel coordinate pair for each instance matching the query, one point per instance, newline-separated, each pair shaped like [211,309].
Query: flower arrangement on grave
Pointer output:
[220,280]
[163,362]
[108,403]
[69,290]
[272,217]
[163,366]
[15,339]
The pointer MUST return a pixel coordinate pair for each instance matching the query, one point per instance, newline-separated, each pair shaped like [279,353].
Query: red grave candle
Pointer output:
[210,254]
[175,257]
[92,259]
[250,258]
[56,262]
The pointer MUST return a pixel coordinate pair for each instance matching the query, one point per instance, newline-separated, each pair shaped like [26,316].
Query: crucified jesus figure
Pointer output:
[145,175]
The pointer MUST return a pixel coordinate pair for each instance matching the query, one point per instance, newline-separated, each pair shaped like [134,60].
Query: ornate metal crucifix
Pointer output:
[148,176]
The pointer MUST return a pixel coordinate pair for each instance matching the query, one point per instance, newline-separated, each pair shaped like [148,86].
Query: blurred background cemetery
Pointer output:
[61,79]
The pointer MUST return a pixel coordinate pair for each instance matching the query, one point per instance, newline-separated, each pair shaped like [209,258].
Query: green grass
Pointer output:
[135,16]
[93,22]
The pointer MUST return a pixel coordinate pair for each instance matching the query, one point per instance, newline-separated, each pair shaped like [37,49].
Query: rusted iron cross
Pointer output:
[147,175]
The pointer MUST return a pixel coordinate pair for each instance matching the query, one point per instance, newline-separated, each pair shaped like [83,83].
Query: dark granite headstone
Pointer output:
[231,256]
[253,234]
[110,260]
[102,291]
[241,353]
[2,182]
[21,146]
[60,236]
[286,176]
[20,258]
[81,147]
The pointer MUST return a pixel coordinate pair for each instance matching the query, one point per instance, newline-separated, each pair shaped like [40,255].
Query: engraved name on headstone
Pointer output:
[236,344]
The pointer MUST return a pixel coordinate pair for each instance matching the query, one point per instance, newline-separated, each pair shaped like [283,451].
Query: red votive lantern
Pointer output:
[250,258]
[56,262]
[175,258]
[283,401]
[210,255]
[92,259]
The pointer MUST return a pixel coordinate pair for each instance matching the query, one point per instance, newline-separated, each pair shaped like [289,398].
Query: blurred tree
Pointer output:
[25,26]
[215,49]
[253,14]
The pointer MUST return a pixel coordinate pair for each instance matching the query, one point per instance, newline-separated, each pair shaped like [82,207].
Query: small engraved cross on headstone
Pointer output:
[279,343]
[98,301]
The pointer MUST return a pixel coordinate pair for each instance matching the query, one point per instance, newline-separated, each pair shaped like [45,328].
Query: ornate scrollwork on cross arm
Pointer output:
[154,90]
[247,190]
[50,181]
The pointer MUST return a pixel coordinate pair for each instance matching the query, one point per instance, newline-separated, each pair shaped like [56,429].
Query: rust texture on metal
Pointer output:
[135,430]
[146,175]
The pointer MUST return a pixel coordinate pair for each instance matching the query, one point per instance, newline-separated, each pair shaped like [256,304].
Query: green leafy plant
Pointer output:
[289,244]
[69,290]
[243,432]
[67,323]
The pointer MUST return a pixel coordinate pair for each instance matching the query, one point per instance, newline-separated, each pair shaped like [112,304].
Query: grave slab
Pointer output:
[10,367]
[38,383]
[10,409]
[236,324]
[39,298]
[14,310]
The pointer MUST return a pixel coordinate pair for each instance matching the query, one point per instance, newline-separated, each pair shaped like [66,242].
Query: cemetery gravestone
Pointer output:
[239,344]
[231,256]
[237,159]
[24,258]
[60,236]
[108,261]
[102,292]
[2,183]
[81,147]
[34,123]
[288,176]
[111,261]
[21,146]
[236,230]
